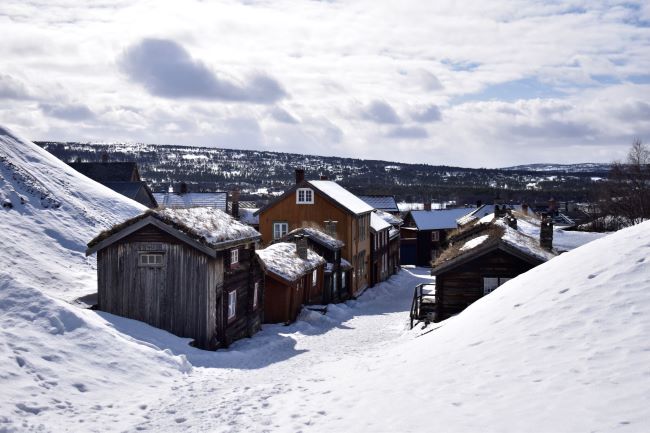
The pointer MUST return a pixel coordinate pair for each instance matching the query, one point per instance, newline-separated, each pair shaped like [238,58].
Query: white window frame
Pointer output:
[232,304]
[343,280]
[234,256]
[304,196]
[490,284]
[314,277]
[280,229]
[151,259]
[256,296]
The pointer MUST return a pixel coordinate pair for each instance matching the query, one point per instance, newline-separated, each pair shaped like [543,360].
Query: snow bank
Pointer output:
[561,348]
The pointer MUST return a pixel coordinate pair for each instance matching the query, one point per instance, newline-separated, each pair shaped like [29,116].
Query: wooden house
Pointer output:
[379,253]
[121,177]
[394,239]
[483,257]
[191,272]
[424,234]
[310,204]
[293,278]
[336,280]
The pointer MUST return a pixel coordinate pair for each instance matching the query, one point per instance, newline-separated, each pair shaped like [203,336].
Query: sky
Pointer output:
[471,83]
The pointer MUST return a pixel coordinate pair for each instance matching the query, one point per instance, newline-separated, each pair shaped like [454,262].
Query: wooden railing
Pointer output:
[416,314]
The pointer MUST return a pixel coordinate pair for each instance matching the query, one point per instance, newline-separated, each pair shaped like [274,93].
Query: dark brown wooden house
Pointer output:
[121,177]
[424,234]
[480,259]
[293,278]
[191,272]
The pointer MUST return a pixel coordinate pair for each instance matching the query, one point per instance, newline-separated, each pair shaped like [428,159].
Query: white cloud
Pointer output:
[358,79]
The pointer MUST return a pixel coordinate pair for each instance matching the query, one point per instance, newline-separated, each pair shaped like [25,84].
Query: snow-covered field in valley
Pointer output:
[562,348]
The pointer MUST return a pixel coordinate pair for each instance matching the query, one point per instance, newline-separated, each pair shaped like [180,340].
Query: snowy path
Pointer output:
[235,388]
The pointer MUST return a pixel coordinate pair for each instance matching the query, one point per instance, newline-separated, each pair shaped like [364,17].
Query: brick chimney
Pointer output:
[546,232]
[301,246]
[183,189]
[427,205]
[330,228]
[300,175]
[323,177]
[234,204]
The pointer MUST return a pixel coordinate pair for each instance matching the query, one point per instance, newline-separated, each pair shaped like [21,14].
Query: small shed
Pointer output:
[293,278]
[336,282]
[480,259]
[191,272]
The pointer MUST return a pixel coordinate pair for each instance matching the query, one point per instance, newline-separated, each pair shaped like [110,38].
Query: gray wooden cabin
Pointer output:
[192,272]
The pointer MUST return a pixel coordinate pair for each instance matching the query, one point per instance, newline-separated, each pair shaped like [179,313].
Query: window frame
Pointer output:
[314,277]
[284,224]
[256,296]
[498,280]
[232,306]
[143,254]
[307,192]
[234,257]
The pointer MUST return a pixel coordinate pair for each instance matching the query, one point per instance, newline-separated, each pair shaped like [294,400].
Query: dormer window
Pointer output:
[304,196]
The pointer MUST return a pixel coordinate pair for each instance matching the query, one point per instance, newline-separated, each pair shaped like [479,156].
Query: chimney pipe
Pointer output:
[301,246]
[234,204]
[300,175]
[546,232]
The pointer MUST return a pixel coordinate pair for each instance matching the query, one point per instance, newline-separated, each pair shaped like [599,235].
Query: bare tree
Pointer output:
[627,191]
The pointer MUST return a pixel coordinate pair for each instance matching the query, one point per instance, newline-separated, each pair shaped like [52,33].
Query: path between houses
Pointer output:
[234,390]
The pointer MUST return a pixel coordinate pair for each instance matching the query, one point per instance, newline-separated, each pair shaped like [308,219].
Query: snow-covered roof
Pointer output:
[318,236]
[439,219]
[208,226]
[393,232]
[215,200]
[487,237]
[478,213]
[282,260]
[381,202]
[389,218]
[377,223]
[342,196]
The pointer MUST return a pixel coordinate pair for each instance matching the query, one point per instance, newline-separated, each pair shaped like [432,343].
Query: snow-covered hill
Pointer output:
[563,347]
[54,355]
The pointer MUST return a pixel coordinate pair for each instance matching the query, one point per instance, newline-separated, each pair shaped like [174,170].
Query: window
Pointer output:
[490,284]
[232,304]
[435,236]
[151,259]
[234,257]
[304,196]
[256,296]
[314,277]
[343,278]
[280,229]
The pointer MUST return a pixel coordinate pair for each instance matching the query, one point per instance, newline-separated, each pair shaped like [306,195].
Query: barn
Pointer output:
[191,272]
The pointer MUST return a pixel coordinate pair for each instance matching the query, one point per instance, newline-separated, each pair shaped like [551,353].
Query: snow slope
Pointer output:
[60,365]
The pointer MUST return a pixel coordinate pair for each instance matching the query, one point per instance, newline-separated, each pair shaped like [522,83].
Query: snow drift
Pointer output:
[57,359]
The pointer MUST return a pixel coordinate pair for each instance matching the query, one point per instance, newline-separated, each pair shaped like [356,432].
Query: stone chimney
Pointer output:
[183,189]
[330,228]
[300,175]
[301,246]
[104,157]
[427,205]
[546,232]
[234,204]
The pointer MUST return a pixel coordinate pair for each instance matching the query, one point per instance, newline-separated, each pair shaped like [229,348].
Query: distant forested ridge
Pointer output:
[260,174]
